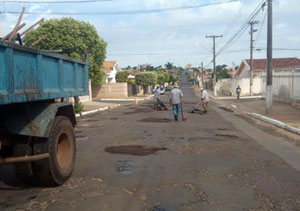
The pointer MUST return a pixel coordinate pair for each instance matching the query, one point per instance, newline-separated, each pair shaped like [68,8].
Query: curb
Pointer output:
[128,100]
[275,122]
[233,98]
[97,110]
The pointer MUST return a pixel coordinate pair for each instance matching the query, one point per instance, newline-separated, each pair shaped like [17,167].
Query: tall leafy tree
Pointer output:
[162,77]
[146,79]
[73,38]
[169,66]
[173,78]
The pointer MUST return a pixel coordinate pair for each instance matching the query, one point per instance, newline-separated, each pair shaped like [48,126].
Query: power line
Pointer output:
[260,29]
[129,11]
[155,54]
[52,2]
[281,49]
[243,27]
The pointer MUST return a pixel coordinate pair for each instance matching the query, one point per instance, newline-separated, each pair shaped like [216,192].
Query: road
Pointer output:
[215,161]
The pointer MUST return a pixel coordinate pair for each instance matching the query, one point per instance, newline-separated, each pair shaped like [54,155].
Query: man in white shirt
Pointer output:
[175,100]
[204,100]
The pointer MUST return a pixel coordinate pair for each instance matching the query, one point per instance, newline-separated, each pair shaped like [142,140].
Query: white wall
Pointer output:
[286,85]
[230,85]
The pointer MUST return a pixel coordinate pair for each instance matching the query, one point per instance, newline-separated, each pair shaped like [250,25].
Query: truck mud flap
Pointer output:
[35,119]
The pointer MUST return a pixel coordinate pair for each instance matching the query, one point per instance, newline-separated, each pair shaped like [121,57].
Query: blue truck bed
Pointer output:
[29,75]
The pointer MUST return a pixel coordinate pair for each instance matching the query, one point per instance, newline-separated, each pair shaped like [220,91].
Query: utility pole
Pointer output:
[252,31]
[214,61]
[269,91]
[202,73]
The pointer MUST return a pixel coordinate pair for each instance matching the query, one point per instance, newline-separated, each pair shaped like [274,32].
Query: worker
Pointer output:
[156,92]
[158,104]
[204,99]
[176,100]
[238,92]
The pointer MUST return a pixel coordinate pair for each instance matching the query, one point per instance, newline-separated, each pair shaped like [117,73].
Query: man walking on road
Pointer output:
[238,92]
[175,100]
[204,100]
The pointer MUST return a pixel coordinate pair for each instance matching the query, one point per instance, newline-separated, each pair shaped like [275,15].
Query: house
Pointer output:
[260,66]
[283,68]
[232,72]
[111,68]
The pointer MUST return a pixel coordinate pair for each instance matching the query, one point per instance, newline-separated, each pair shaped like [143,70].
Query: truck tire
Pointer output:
[24,171]
[61,147]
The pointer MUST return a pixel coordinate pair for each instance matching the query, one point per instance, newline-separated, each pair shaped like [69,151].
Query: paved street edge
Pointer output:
[107,108]
[275,122]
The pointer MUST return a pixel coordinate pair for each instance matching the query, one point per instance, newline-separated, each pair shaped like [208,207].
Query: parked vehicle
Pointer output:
[37,121]
[168,88]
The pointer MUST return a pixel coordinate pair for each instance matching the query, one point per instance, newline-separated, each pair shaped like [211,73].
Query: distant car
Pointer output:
[162,91]
[168,88]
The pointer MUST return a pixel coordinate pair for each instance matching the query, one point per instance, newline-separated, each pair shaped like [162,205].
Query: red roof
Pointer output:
[108,66]
[277,63]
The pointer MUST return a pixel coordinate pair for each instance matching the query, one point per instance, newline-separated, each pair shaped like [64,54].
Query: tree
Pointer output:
[73,38]
[99,77]
[223,74]
[122,77]
[162,77]
[149,68]
[146,79]
[173,78]
[169,66]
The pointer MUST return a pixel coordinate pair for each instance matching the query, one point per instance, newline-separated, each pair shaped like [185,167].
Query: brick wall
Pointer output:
[110,90]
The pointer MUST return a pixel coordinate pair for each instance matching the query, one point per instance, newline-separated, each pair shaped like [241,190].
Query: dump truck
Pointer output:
[37,119]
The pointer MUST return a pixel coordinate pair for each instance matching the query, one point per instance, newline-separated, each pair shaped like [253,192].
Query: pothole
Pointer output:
[152,119]
[113,118]
[196,111]
[162,208]
[137,150]
[227,135]
[136,111]
[222,129]
[190,138]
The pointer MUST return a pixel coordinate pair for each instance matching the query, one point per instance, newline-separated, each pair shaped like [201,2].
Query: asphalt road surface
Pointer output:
[137,158]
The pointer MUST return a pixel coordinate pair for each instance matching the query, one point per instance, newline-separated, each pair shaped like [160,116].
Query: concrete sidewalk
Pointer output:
[100,105]
[284,115]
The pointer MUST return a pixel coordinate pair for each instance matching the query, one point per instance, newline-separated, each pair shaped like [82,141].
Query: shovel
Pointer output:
[183,119]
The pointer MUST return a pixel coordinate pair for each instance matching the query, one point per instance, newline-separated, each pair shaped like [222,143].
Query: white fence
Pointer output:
[228,86]
[286,85]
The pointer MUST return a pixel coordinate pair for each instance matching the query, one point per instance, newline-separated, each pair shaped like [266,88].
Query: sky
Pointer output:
[177,36]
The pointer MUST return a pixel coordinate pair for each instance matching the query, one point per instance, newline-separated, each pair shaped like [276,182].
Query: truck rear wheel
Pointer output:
[24,171]
[61,147]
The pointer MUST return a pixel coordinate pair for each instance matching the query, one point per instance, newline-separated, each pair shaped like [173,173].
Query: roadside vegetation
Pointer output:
[73,38]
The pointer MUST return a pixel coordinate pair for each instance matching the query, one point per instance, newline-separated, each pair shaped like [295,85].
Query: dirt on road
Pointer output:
[203,163]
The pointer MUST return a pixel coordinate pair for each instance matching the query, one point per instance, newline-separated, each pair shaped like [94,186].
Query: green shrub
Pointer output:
[146,79]
[122,77]
[99,77]
[78,106]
